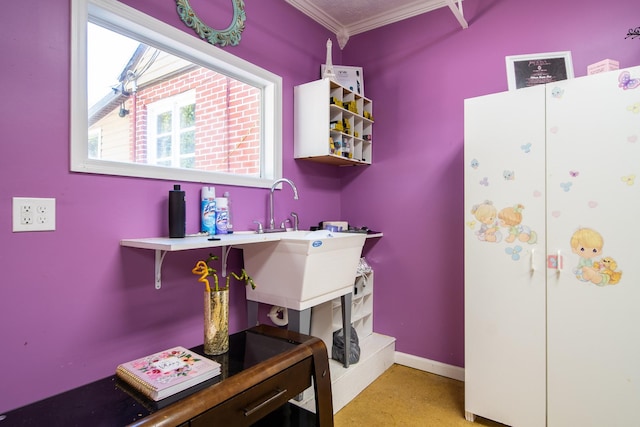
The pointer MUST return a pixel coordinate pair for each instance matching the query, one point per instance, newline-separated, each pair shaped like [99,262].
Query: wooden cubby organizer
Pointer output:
[332,124]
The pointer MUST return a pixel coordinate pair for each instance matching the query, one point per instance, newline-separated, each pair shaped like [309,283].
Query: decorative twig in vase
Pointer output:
[216,306]
[204,270]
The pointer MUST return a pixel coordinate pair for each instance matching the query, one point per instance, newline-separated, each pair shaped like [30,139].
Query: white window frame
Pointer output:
[132,23]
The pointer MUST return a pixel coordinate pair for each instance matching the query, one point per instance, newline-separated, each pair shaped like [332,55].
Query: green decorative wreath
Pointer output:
[230,36]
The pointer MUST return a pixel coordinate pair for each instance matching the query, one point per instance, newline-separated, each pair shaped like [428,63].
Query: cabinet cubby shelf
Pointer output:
[326,318]
[325,131]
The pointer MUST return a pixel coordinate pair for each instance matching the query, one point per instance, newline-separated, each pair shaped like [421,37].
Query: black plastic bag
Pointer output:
[337,350]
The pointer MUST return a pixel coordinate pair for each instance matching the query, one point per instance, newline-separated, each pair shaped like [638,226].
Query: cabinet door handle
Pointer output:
[533,264]
[559,261]
[256,407]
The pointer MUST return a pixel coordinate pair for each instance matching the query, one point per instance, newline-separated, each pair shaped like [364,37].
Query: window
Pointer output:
[151,101]
[171,131]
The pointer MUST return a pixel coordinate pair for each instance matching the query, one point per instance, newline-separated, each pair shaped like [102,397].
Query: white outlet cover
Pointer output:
[34,214]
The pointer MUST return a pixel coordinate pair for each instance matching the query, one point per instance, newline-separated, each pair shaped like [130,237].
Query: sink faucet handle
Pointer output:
[283,224]
[295,221]
[260,230]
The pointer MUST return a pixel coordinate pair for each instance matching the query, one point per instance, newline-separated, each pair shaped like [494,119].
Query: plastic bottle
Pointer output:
[222,215]
[177,212]
[208,210]
[230,219]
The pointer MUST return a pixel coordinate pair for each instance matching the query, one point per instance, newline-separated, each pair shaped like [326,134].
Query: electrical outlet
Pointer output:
[34,214]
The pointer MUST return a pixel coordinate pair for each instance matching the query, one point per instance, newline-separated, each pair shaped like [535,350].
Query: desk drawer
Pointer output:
[254,403]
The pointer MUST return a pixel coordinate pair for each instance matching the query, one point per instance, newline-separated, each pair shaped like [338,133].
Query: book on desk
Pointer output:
[168,372]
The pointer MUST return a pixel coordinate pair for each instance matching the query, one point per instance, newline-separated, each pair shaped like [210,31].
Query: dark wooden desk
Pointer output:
[264,368]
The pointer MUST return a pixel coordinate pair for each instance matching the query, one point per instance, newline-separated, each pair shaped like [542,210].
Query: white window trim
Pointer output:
[128,21]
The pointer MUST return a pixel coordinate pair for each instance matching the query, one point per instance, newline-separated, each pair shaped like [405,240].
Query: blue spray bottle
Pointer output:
[208,210]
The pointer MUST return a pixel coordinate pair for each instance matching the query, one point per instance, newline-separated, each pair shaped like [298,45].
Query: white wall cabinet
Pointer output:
[332,124]
[552,277]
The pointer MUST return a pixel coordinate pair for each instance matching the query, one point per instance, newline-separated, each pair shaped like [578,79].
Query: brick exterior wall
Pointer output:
[227,120]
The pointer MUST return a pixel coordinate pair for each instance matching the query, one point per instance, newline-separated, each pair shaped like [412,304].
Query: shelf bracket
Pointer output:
[457,12]
[160,254]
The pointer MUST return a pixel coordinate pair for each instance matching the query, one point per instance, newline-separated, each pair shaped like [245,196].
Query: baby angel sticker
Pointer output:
[511,218]
[587,244]
[486,215]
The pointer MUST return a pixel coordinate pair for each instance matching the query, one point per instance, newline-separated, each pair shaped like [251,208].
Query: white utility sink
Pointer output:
[303,268]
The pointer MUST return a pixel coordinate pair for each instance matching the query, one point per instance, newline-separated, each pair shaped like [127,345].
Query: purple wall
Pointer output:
[418,72]
[74,304]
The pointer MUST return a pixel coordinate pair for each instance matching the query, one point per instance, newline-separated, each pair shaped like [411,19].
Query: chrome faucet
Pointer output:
[272,222]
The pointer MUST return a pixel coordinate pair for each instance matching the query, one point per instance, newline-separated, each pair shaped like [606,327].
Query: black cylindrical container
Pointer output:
[177,212]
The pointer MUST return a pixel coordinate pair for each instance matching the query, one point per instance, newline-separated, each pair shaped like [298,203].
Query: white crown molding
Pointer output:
[317,14]
[396,14]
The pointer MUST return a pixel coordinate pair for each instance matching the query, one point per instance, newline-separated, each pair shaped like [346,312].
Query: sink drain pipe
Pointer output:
[274,315]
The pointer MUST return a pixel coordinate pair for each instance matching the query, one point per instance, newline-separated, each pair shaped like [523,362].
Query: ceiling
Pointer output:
[347,18]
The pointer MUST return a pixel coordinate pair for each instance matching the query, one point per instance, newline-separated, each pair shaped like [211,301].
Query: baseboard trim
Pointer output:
[431,366]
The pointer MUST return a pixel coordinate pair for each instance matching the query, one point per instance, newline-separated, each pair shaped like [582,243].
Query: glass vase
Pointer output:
[216,322]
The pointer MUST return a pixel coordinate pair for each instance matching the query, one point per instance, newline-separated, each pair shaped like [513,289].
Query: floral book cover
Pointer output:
[163,374]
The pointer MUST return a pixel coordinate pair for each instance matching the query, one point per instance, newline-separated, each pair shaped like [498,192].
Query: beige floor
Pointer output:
[407,397]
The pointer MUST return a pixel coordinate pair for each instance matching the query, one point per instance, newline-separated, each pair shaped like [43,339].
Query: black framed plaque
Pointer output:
[530,70]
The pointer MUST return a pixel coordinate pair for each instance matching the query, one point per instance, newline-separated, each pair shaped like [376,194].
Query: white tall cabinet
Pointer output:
[552,274]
